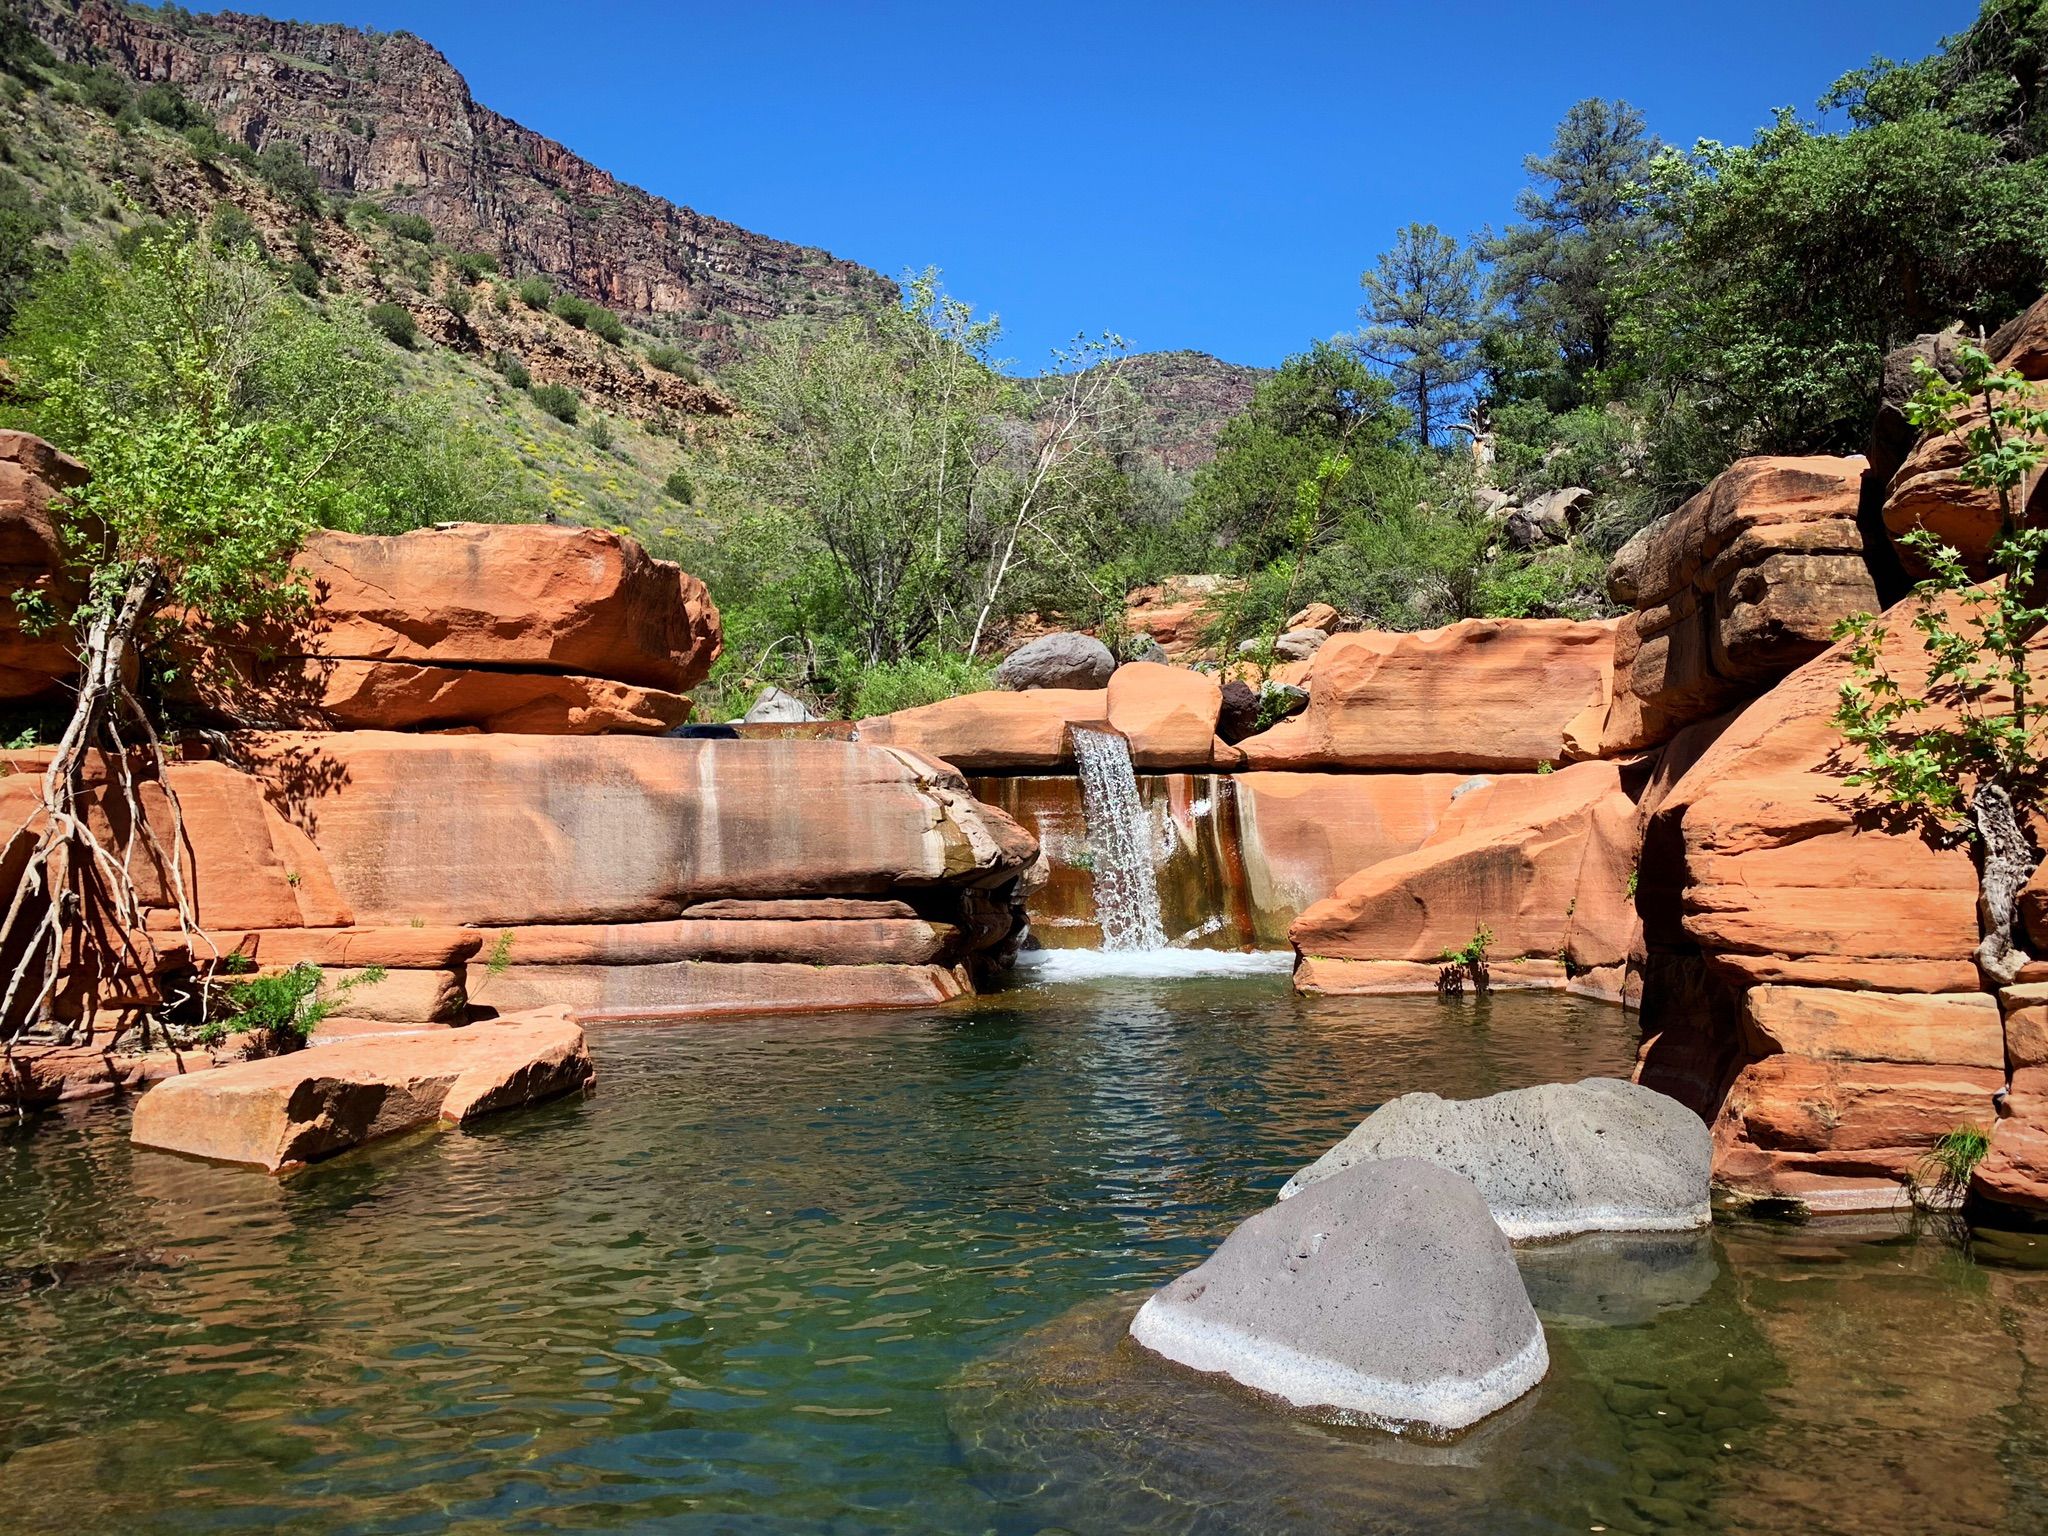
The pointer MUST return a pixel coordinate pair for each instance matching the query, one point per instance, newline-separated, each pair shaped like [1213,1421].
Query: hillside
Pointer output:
[1185,398]
[386,116]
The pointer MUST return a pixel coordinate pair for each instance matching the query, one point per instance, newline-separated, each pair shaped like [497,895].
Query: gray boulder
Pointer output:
[1299,644]
[1595,1156]
[1385,1294]
[774,707]
[1062,660]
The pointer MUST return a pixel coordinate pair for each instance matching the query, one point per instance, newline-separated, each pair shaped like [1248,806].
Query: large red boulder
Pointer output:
[1496,695]
[1736,588]
[1539,861]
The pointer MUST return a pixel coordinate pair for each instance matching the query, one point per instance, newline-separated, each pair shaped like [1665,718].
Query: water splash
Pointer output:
[1120,836]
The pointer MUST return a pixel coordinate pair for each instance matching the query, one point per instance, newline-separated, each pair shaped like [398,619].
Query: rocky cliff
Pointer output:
[386,116]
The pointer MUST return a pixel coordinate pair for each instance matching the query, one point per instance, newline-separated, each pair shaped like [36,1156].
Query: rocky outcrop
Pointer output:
[1928,490]
[1593,1156]
[1059,660]
[499,627]
[1484,695]
[1173,613]
[283,1112]
[1539,862]
[1384,1294]
[1736,588]
[1773,894]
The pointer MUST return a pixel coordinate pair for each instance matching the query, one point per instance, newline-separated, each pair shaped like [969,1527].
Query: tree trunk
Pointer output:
[76,916]
[2006,862]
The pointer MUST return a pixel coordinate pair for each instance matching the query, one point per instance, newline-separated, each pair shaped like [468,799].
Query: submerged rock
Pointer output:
[284,1111]
[1386,1294]
[1600,1155]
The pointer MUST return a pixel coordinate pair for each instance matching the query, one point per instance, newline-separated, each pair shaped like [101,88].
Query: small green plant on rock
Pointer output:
[1466,964]
[1978,755]
[282,1011]
[1940,1181]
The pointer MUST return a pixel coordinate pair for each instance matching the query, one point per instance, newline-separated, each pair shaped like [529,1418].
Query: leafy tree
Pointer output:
[221,421]
[23,223]
[1423,323]
[877,459]
[1589,210]
[288,175]
[1966,749]
[20,48]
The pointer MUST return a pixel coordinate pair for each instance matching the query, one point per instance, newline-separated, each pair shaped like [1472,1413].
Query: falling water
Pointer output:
[1126,868]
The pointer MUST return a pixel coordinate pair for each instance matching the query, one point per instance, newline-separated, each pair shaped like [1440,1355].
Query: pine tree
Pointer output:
[1588,209]
[1423,323]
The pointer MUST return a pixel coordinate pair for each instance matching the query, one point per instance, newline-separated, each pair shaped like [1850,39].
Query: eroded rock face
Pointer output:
[1540,860]
[1736,588]
[1384,1294]
[1483,695]
[1061,660]
[285,1111]
[1594,1156]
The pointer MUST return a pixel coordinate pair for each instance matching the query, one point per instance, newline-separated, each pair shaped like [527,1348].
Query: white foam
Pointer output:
[1044,967]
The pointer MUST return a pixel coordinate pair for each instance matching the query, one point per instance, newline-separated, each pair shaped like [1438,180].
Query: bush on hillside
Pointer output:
[607,325]
[285,170]
[410,226]
[535,292]
[559,401]
[514,371]
[163,103]
[574,310]
[232,229]
[674,360]
[397,324]
[474,266]
[679,486]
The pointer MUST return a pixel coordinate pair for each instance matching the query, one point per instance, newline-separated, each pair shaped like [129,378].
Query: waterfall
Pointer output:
[1121,840]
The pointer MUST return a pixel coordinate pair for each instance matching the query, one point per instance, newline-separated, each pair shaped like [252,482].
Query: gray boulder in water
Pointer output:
[1062,660]
[1385,1294]
[1595,1156]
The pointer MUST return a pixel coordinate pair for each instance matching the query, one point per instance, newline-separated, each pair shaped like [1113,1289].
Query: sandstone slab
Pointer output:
[682,989]
[993,732]
[1960,1029]
[1169,715]
[1482,695]
[285,1111]
[1385,1295]
[1594,1156]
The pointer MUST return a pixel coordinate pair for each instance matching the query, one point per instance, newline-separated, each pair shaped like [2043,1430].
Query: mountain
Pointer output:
[1185,399]
[385,116]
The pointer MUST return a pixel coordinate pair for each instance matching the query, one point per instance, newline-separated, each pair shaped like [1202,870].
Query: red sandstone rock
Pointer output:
[32,476]
[496,831]
[2015,1170]
[398,996]
[319,694]
[1740,585]
[284,1111]
[2026,1026]
[686,988]
[1169,715]
[1324,975]
[351,948]
[1542,860]
[536,597]
[1961,1029]
[1304,834]
[1173,613]
[1485,694]
[995,732]
[809,941]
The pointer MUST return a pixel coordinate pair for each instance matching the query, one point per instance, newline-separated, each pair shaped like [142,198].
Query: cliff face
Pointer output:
[385,115]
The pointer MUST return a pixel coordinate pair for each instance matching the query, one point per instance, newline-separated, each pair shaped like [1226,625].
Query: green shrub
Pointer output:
[572,309]
[600,434]
[607,325]
[559,401]
[231,228]
[892,685]
[208,142]
[165,104]
[397,324]
[303,278]
[285,170]
[103,90]
[410,226]
[283,1009]
[672,360]
[535,292]
[456,299]
[678,485]
[475,266]
[514,371]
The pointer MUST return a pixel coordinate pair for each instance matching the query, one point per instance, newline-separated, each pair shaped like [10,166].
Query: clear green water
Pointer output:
[870,1273]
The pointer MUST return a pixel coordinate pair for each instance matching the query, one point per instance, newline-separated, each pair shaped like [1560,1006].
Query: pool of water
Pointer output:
[871,1272]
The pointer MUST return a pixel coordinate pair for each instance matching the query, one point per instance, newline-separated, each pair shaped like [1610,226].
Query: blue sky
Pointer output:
[1198,175]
